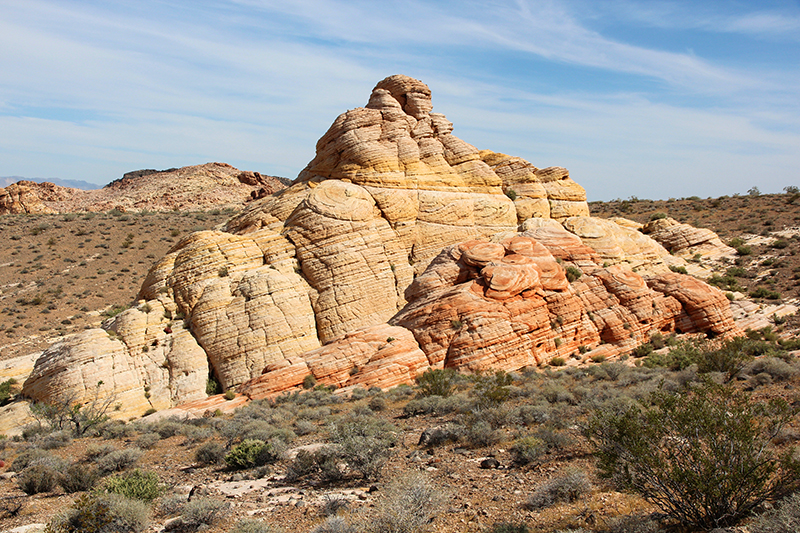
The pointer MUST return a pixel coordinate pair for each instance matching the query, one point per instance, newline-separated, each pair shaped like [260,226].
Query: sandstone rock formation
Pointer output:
[216,185]
[398,248]
[687,241]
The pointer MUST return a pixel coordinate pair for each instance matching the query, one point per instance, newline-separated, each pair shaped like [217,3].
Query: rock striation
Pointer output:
[398,248]
[213,185]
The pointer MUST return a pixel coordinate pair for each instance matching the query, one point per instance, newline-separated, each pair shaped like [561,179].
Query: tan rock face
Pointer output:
[25,197]
[319,279]
[686,241]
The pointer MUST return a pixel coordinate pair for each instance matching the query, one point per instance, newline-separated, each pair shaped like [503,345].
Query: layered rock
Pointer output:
[319,279]
[687,241]
[505,305]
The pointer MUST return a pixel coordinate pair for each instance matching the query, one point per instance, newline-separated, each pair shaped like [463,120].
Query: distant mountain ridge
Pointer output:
[5,181]
[208,186]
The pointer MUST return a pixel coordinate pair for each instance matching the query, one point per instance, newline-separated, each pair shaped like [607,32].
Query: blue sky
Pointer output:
[650,99]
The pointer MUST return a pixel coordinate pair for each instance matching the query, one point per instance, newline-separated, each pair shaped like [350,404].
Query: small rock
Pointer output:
[490,462]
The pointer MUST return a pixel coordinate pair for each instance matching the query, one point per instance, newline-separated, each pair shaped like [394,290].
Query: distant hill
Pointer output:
[5,181]
[209,186]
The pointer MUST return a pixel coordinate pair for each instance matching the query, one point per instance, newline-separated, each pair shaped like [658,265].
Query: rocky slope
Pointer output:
[216,185]
[399,248]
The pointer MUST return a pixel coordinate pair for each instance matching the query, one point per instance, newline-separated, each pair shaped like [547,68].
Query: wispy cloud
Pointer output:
[93,90]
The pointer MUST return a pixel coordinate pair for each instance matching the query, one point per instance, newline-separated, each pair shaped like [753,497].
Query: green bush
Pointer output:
[678,269]
[527,450]
[37,478]
[364,443]
[102,513]
[250,453]
[512,194]
[491,390]
[658,216]
[763,292]
[573,273]
[5,390]
[137,485]
[703,455]
[437,382]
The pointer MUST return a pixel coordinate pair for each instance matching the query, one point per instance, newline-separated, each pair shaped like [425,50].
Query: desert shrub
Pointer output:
[573,273]
[436,436]
[148,440]
[333,504]
[437,405]
[730,358]
[78,478]
[202,512]
[304,427]
[703,456]
[97,451]
[210,453]
[678,269]
[658,215]
[776,368]
[557,361]
[171,504]
[33,456]
[166,428]
[763,292]
[552,438]
[55,439]
[377,403]
[437,382]
[479,434]
[37,478]
[253,525]
[643,350]
[564,488]
[682,354]
[529,415]
[114,429]
[250,453]
[6,390]
[119,460]
[408,506]
[136,484]
[364,443]
[511,193]
[491,390]
[67,414]
[102,513]
[785,518]
[632,524]
[527,450]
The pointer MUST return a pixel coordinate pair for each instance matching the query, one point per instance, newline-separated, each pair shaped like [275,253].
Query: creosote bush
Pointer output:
[437,382]
[702,455]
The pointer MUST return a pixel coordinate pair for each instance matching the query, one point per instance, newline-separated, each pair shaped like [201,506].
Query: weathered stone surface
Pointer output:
[686,241]
[381,355]
[616,243]
[24,197]
[303,282]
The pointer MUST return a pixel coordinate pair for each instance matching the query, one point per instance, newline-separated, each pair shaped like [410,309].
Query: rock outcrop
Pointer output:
[398,248]
[687,241]
[213,185]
